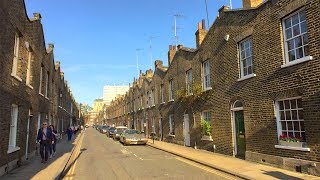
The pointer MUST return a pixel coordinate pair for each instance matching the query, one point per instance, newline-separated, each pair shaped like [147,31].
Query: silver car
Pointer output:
[132,136]
[119,130]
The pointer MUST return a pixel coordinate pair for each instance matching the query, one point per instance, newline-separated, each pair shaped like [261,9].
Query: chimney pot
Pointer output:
[180,46]
[223,9]
[37,16]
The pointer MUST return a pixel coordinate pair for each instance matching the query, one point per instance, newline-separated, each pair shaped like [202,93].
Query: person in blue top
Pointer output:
[45,138]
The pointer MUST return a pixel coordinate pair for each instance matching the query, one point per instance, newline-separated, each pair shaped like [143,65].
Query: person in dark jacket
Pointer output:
[45,138]
[69,133]
[55,137]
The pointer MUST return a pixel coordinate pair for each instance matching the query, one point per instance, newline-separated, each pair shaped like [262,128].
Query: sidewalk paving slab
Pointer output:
[230,165]
[34,169]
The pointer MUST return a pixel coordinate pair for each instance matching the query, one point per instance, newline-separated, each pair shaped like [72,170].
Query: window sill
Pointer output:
[247,77]
[47,98]
[292,148]
[41,94]
[207,89]
[16,77]
[162,103]
[13,149]
[29,86]
[301,60]
[172,100]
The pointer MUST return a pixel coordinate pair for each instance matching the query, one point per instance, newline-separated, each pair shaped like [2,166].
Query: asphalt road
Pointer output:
[99,157]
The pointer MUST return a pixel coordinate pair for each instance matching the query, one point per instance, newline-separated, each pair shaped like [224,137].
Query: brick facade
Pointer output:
[26,94]
[272,80]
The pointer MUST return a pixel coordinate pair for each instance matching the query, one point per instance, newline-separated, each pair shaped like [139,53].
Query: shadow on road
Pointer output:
[280,175]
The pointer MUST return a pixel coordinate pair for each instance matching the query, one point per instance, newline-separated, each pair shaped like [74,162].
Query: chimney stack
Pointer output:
[149,73]
[37,16]
[201,32]
[251,3]
[172,51]
[158,63]
[50,47]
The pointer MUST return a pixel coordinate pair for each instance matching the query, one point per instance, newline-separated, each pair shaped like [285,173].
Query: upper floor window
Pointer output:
[152,97]
[171,90]
[162,93]
[16,55]
[296,37]
[149,99]
[47,84]
[40,84]
[189,82]
[246,67]
[206,84]
[29,72]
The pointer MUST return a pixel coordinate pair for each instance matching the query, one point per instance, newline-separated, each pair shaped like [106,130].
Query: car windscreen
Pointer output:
[132,131]
[120,130]
[112,129]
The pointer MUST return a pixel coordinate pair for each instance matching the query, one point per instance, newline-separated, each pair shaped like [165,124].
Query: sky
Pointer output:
[99,41]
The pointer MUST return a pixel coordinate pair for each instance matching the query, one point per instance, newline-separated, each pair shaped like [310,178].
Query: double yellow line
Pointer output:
[70,175]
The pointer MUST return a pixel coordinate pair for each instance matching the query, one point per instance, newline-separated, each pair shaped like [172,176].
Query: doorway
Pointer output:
[239,130]
[186,129]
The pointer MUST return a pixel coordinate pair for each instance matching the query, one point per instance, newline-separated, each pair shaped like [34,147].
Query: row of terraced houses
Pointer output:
[32,88]
[258,72]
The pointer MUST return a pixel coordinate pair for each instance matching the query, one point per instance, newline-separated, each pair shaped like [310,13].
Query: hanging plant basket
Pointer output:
[206,138]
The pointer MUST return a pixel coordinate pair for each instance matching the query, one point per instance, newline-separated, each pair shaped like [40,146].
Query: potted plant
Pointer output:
[285,140]
[206,129]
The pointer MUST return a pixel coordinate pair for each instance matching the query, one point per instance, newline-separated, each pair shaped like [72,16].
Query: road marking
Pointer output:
[135,155]
[141,159]
[70,174]
[210,170]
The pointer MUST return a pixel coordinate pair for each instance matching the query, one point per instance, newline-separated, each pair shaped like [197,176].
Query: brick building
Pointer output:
[258,72]
[32,88]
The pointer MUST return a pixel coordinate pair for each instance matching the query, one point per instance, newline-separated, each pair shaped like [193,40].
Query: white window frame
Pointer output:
[189,82]
[12,146]
[162,93]
[15,61]
[40,86]
[206,115]
[171,98]
[285,40]
[47,84]
[244,50]
[171,124]
[206,82]
[29,73]
[152,98]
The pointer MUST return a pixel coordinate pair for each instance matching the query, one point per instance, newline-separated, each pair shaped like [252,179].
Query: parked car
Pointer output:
[119,130]
[132,136]
[110,132]
[104,129]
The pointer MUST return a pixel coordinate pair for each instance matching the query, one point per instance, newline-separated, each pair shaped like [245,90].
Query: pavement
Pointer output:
[34,169]
[230,165]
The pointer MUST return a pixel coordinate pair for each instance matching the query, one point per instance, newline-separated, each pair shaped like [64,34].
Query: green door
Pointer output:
[240,134]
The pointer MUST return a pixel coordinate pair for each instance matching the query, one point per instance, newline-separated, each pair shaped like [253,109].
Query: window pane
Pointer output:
[244,63]
[282,117]
[303,135]
[288,115]
[290,134]
[295,19]
[302,15]
[299,102]
[303,26]
[245,71]
[281,105]
[300,114]
[290,44]
[284,133]
[305,39]
[296,30]
[243,55]
[299,53]
[298,41]
[296,125]
[306,50]
[294,114]
[289,33]
[293,104]
[249,61]
[287,23]
[297,134]
[286,104]
[283,125]
[250,70]
[292,55]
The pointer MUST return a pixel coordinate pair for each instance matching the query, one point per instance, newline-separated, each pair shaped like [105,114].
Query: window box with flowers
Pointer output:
[291,141]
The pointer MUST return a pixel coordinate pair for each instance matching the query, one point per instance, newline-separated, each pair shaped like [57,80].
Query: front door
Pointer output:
[186,130]
[27,141]
[240,134]
[160,129]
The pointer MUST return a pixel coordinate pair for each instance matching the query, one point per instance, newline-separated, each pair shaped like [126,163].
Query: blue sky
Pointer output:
[96,40]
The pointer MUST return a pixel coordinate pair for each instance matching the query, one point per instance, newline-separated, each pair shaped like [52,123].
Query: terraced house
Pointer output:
[254,75]
[32,88]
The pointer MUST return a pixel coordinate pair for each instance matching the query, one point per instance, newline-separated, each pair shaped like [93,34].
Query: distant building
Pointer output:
[111,92]
[98,105]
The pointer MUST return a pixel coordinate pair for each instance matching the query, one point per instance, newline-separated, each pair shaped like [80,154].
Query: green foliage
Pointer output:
[206,127]
[197,93]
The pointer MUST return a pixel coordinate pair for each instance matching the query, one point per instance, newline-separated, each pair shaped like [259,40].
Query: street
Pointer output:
[99,157]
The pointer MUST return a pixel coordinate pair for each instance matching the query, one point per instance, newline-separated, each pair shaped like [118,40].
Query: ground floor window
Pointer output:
[290,120]
[171,124]
[206,115]
[13,127]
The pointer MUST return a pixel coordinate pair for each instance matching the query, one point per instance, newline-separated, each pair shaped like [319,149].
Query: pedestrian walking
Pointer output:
[54,144]
[69,133]
[45,138]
